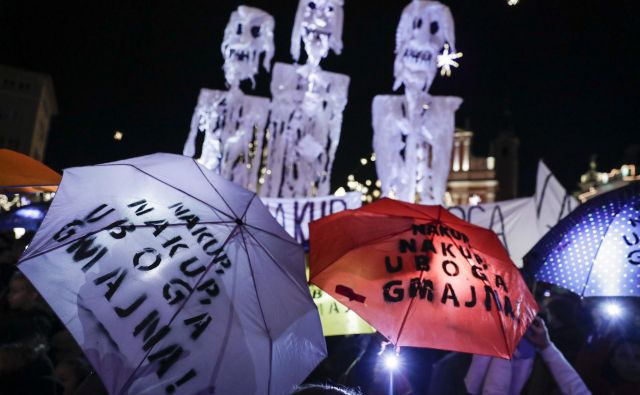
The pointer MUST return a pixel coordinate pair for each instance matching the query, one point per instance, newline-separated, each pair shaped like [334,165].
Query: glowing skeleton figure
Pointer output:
[413,134]
[233,123]
[306,117]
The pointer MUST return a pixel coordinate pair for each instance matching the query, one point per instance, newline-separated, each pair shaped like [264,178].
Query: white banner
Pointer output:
[295,214]
[520,223]
[552,201]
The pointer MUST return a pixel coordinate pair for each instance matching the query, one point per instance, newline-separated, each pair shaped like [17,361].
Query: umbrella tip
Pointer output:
[239,221]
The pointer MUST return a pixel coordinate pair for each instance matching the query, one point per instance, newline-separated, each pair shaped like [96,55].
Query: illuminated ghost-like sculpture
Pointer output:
[307,107]
[413,134]
[229,123]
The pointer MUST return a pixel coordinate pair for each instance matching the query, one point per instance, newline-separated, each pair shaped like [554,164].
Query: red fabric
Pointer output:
[356,256]
[21,173]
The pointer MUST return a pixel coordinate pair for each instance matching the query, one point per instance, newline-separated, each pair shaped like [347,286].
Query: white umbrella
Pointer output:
[174,280]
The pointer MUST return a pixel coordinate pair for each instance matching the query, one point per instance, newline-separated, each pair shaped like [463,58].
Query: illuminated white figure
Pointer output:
[413,134]
[306,117]
[229,123]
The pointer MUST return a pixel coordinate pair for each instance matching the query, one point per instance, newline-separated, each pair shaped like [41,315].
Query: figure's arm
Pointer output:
[568,380]
[499,378]
[477,371]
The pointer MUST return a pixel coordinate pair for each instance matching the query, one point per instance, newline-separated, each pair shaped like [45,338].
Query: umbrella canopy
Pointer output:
[595,250]
[21,173]
[28,217]
[422,277]
[174,280]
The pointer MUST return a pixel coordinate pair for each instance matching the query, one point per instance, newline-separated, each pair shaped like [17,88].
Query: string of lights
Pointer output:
[369,188]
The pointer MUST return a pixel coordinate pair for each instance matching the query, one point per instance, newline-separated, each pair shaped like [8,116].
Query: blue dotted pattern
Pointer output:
[592,251]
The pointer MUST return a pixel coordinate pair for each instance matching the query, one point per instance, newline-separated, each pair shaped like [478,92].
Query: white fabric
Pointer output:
[496,376]
[295,214]
[233,127]
[247,37]
[413,133]
[566,377]
[520,223]
[304,130]
[231,122]
[413,145]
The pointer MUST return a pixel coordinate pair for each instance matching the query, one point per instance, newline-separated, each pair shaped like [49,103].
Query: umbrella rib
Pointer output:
[370,242]
[243,217]
[246,209]
[212,186]
[286,273]
[487,283]
[216,368]
[593,261]
[264,320]
[176,188]
[406,314]
[105,228]
[179,309]
[410,207]
[272,234]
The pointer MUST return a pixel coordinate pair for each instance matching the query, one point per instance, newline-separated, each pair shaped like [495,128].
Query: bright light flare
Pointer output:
[612,310]
[391,361]
[448,59]
[512,2]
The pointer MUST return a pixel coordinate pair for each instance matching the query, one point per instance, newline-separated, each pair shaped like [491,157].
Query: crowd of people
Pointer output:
[575,346]
[38,355]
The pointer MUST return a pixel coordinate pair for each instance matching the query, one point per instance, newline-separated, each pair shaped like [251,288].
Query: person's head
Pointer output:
[71,373]
[10,250]
[63,347]
[13,357]
[561,311]
[625,359]
[22,294]
[323,389]
[248,37]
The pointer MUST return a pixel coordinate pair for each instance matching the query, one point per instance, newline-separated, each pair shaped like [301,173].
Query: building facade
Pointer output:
[593,182]
[472,179]
[27,103]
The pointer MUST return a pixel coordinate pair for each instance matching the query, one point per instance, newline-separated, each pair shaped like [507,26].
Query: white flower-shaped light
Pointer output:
[448,59]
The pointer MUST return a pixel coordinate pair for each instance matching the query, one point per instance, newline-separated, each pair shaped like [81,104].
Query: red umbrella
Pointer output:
[422,277]
[21,173]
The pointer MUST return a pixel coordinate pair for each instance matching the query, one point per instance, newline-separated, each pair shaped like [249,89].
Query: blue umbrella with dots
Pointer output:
[595,250]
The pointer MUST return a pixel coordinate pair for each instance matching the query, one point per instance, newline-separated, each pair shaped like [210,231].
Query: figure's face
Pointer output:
[21,295]
[416,57]
[318,24]
[626,361]
[248,35]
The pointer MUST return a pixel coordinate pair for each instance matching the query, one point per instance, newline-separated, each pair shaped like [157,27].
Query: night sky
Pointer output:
[562,75]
